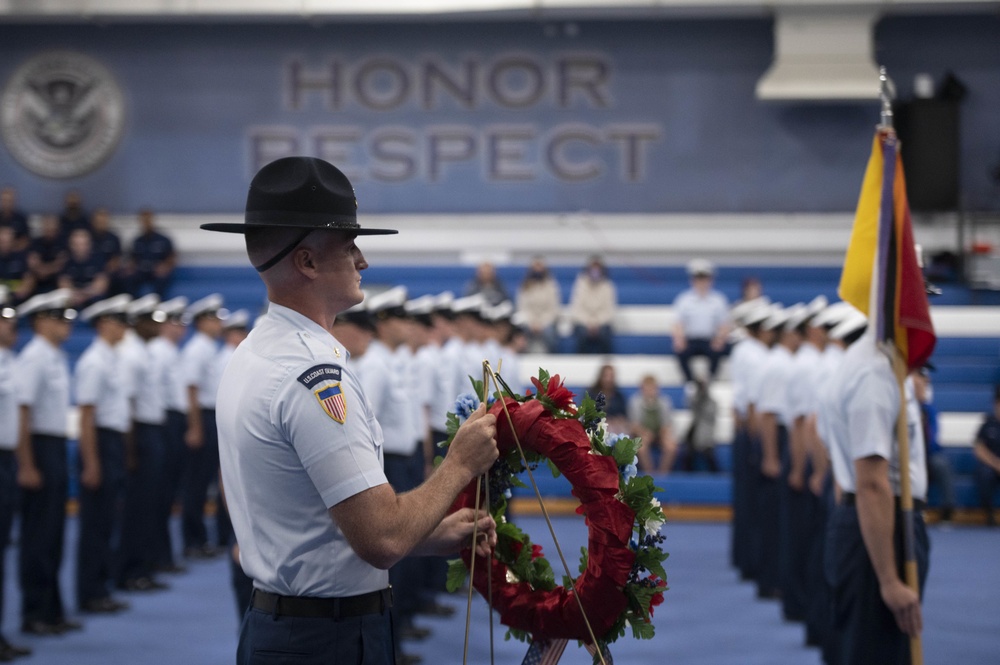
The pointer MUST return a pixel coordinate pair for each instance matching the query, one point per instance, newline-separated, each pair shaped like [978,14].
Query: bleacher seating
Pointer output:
[967,357]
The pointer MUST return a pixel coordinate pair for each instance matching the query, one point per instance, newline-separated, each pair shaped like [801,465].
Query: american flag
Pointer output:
[544,652]
[332,399]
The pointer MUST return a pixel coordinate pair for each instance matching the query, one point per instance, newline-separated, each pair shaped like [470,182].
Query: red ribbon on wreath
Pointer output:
[555,614]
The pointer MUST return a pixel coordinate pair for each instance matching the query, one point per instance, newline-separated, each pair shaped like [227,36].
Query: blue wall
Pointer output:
[651,116]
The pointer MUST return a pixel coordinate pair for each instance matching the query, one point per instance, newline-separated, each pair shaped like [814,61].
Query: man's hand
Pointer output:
[90,475]
[455,533]
[770,467]
[193,438]
[29,478]
[817,481]
[905,605]
[475,446]
[797,479]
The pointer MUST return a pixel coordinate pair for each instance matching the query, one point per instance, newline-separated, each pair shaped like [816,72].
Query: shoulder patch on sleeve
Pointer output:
[318,374]
[324,382]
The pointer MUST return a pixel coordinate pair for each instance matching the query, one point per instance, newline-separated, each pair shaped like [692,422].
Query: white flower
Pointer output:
[653,524]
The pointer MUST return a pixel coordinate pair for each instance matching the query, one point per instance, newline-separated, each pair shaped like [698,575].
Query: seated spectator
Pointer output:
[702,321]
[939,471]
[651,417]
[47,255]
[84,271]
[592,306]
[73,216]
[987,451]
[615,408]
[11,217]
[152,260]
[539,301]
[108,247]
[488,284]
[14,273]
[699,440]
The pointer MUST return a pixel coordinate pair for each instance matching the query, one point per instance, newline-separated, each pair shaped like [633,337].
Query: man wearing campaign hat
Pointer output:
[702,320]
[43,394]
[201,378]
[165,350]
[316,521]
[105,419]
[142,537]
[9,426]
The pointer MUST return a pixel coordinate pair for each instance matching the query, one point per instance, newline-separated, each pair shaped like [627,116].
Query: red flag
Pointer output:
[882,276]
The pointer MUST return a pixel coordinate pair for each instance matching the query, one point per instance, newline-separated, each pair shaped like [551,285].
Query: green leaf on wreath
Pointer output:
[584,559]
[457,574]
[642,630]
[625,450]
[651,558]
[553,468]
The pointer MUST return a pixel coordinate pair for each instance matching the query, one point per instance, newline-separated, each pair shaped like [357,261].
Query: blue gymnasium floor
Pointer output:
[708,618]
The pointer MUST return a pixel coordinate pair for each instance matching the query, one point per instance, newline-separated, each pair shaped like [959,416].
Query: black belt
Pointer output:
[375,602]
[849,499]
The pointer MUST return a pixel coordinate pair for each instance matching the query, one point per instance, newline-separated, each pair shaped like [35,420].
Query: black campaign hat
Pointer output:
[300,193]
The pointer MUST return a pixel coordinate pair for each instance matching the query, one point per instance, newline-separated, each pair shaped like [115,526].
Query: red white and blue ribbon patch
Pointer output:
[332,400]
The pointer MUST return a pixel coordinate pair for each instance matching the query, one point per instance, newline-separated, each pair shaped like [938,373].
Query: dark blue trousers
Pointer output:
[819,614]
[752,486]
[404,473]
[169,484]
[43,522]
[769,510]
[741,498]
[138,543]
[796,512]
[202,469]
[100,520]
[8,502]
[867,628]
[699,347]
[269,640]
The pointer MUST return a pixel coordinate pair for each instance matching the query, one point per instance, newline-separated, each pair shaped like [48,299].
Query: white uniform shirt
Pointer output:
[832,355]
[445,388]
[746,358]
[701,316]
[385,386]
[802,383]
[9,412]
[200,368]
[43,384]
[865,408]
[756,365]
[168,356]
[774,384]
[100,383]
[147,384]
[296,437]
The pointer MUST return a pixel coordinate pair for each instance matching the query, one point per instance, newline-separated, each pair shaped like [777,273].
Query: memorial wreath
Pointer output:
[621,577]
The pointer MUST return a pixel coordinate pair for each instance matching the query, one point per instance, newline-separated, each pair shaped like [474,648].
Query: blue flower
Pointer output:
[613,439]
[629,471]
[507,493]
[465,406]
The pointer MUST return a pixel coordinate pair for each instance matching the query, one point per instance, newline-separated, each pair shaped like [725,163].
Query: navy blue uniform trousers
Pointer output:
[8,501]
[867,628]
[138,543]
[43,522]
[281,640]
[99,517]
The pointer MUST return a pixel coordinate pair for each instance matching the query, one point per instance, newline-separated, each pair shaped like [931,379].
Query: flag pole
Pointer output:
[899,366]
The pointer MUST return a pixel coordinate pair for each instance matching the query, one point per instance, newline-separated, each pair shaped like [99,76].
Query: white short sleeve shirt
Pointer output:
[296,437]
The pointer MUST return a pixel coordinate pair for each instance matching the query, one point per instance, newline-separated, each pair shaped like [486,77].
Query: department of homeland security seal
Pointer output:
[61,114]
